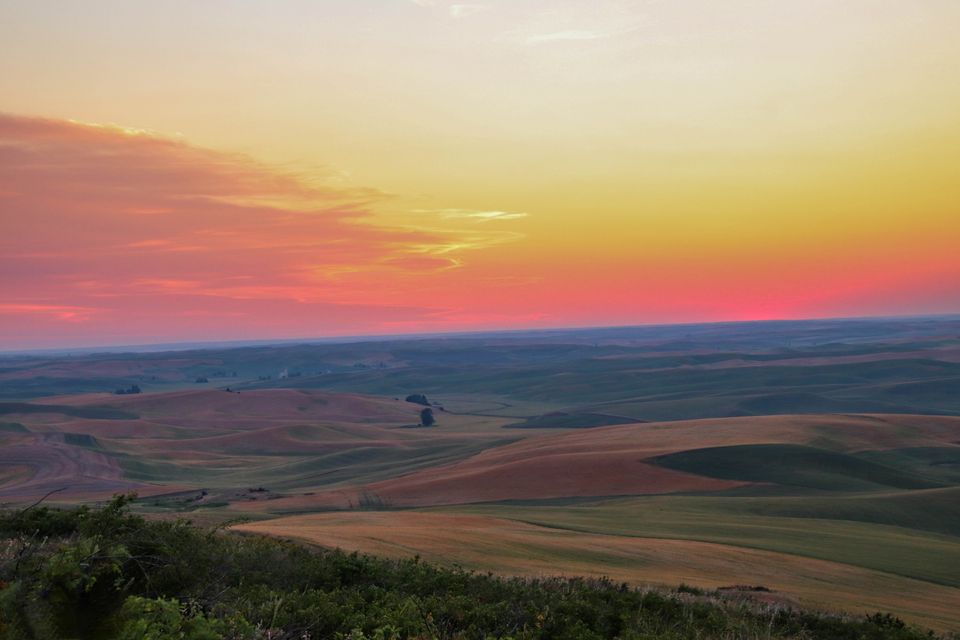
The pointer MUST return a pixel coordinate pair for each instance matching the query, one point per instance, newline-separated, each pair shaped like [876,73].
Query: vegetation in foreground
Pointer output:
[107,573]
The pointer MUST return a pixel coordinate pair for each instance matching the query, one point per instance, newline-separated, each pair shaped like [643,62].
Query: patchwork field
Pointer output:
[786,453]
[873,523]
[819,461]
[223,443]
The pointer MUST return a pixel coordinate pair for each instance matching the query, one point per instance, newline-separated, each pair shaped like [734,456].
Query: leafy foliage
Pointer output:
[106,573]
[427,418]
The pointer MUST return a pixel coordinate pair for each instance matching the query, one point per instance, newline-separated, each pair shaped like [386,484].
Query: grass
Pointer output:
[371,464]
[91,412]
[144,470]
[939,463]
[647,373]
[932,510]
[741,522]
[597,380]
[487,542]
[793,465]
[562,420]
[289,468]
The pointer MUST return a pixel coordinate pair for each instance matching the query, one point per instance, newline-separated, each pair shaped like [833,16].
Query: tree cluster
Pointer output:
[418,398]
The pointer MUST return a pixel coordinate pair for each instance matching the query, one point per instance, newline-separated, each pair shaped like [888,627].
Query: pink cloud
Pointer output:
[135,233]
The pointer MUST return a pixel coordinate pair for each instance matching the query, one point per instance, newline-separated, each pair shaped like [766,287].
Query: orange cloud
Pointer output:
[142,235]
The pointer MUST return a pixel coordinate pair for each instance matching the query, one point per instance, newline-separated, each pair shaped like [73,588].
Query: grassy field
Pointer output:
[516,547]
[825,510]
[835,525]
[793,465]
[818,459]
[224,444]
[644,373]
[772,454]
[892,549]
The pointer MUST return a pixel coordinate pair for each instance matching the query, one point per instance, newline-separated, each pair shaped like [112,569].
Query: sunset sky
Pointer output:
[185,171]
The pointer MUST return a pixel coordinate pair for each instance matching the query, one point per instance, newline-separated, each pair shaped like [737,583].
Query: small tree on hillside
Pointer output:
[426,418]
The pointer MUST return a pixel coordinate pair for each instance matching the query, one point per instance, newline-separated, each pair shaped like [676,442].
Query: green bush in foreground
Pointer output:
[107,573]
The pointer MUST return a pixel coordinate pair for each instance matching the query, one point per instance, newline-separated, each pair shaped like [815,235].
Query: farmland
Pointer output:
[818,460]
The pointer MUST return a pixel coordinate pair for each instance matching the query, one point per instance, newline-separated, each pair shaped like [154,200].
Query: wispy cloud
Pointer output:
[465,10]
[445,253]
[584,23]
[477,216]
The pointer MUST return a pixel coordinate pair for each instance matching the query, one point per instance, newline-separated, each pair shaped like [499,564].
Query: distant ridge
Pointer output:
[483,333]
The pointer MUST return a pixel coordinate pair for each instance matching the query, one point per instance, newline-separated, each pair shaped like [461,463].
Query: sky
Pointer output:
[233,170]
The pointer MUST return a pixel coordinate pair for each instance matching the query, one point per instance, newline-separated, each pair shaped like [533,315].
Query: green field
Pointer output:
[813,529]
[797,466]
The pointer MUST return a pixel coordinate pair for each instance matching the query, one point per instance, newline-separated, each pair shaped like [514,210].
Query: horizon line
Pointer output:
[202,345]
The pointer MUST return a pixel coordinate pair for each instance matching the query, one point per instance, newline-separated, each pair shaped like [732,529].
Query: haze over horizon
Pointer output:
[106,346]
[185,172]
